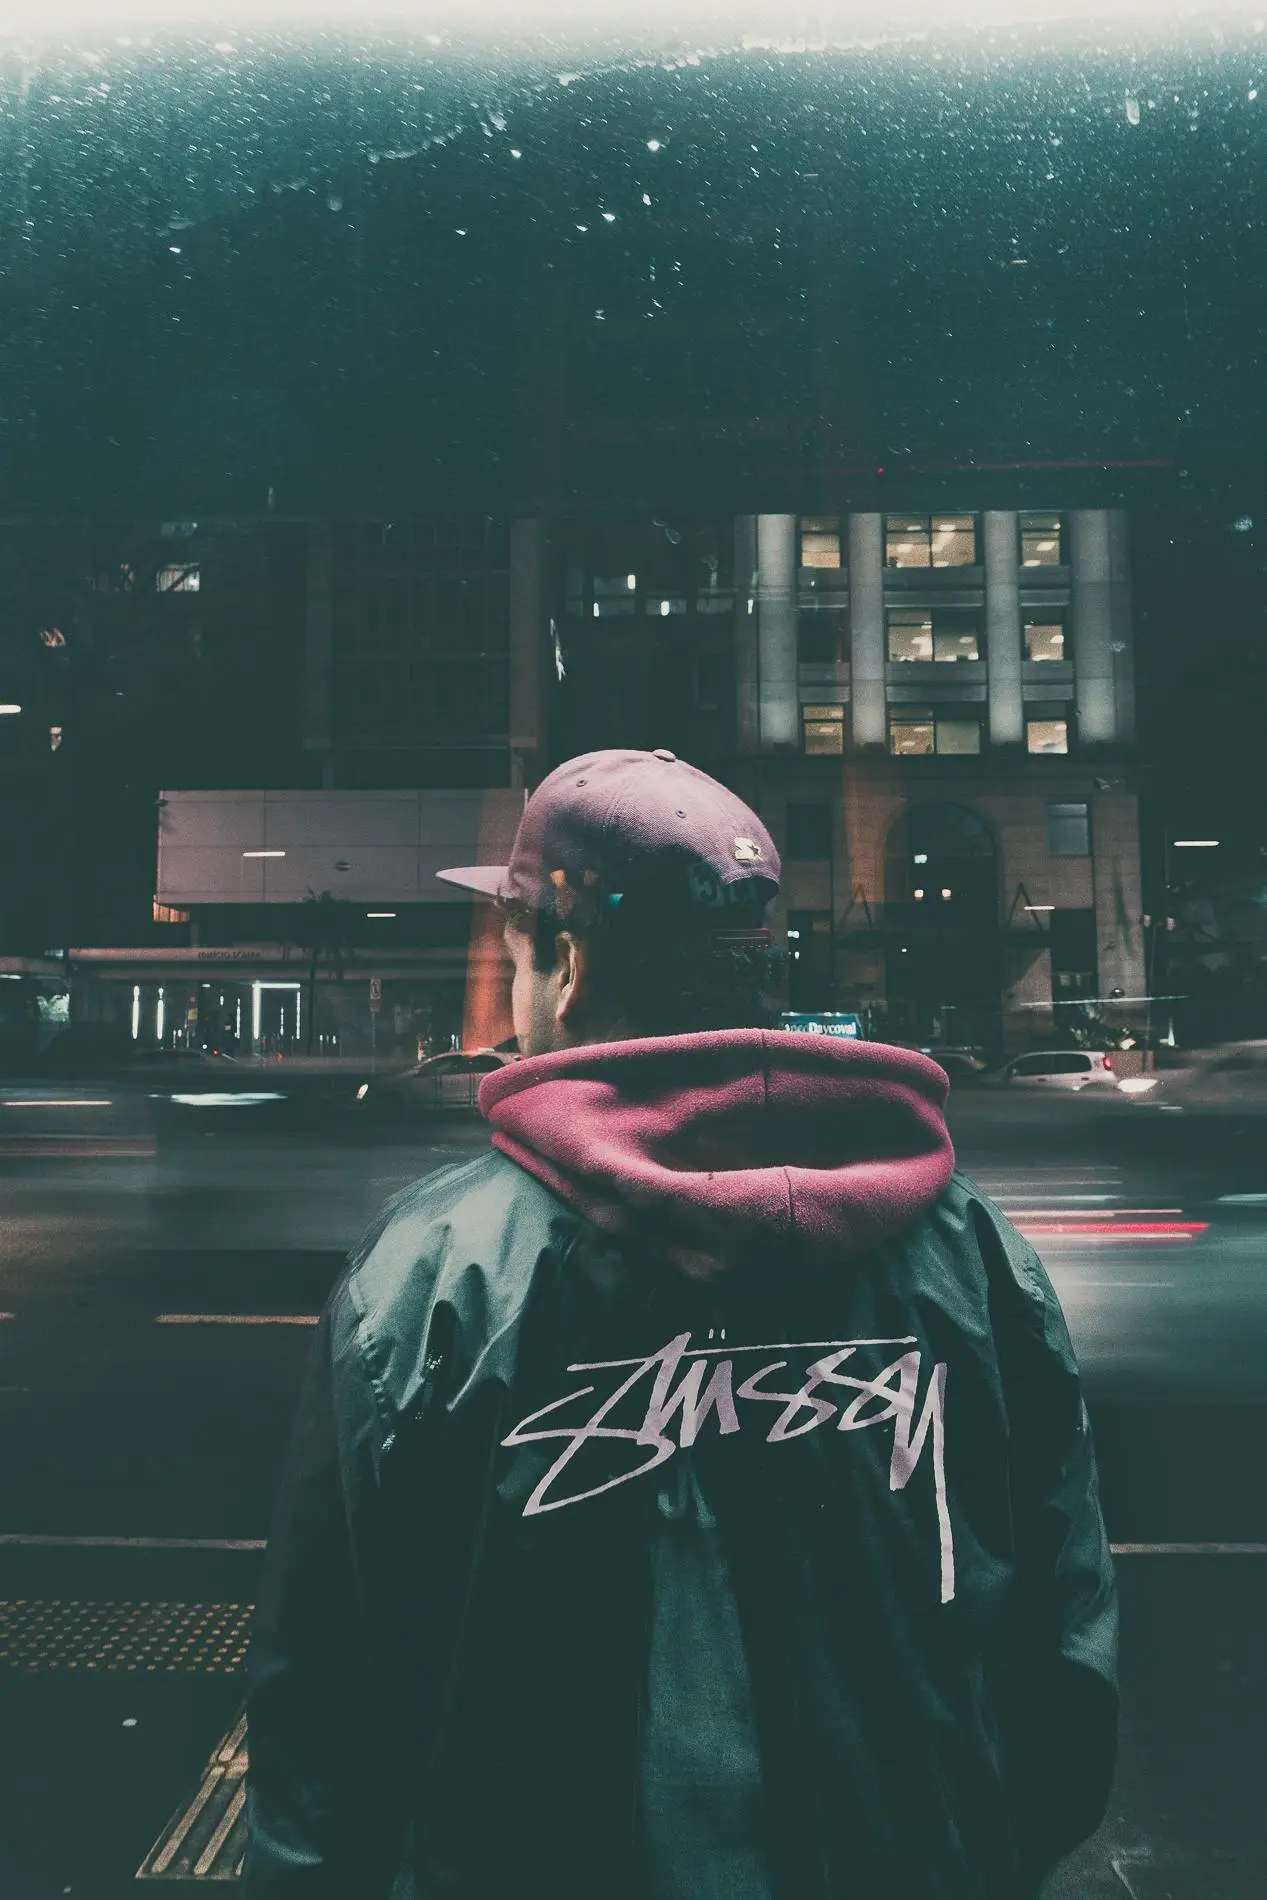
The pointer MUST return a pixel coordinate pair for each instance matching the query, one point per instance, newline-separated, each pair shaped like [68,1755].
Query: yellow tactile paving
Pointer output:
[135,1638]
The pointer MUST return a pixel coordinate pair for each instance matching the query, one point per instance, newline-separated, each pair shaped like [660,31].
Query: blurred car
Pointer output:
[1229,1080]
[164,1061]
[1067,1070]
[961,1061]
[448,1081]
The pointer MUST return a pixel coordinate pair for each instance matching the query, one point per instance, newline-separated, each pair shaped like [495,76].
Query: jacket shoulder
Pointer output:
[1011,1264]
[464,1241]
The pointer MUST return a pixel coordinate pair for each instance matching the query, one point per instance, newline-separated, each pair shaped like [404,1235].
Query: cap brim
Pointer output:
[489,880]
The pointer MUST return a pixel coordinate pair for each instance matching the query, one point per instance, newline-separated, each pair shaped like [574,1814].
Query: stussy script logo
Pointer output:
[688,1385]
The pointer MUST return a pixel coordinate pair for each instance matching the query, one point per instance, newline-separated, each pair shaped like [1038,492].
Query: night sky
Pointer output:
[368,277]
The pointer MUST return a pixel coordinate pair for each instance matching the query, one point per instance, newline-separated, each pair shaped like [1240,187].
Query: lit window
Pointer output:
[932,635]
[918,732]
[930,540]
[183,579]
[1044,640]
[823,729]
[1069,830]
[912,734]
[664,606]
[1041,540]
[166,914]
[1047,735]
[820,543]
[954,540]
[954,639]
[910,637]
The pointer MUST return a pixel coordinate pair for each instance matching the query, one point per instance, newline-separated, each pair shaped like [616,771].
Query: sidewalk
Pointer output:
[1188,1819]
[86,1800]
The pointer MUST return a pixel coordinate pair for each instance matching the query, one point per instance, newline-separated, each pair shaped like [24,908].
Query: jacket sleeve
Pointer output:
[1060,1701]
[326,1777]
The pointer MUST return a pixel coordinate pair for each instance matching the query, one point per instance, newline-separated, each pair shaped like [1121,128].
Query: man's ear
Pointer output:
[572,970]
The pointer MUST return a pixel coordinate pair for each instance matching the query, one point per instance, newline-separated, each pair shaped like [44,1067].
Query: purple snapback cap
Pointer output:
[616,823]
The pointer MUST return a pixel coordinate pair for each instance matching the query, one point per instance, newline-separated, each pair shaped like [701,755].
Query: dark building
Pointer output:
[933,712]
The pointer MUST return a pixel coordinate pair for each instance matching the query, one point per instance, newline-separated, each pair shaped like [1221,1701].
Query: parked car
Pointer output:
[1229,1080]
[1069,1070]
[448,1081]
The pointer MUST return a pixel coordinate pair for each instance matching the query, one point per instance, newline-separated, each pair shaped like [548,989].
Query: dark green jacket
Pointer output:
[458,1671]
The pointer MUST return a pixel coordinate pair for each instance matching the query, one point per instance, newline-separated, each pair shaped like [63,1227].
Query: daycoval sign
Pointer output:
[825,1023]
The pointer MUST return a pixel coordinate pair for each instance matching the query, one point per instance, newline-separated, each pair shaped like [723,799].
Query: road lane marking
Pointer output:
[75,1148]
[1189,1550]
[237,1319]
[38,1540]
[1114,1214]
[1004,1199]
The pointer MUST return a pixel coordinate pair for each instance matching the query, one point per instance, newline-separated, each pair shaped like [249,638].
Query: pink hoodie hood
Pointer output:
[722,1150]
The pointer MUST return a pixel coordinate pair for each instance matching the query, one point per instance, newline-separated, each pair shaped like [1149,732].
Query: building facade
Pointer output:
[933,712]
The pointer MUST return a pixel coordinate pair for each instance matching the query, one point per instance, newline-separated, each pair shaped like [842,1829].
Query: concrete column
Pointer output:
[779,707]
[528,616]
[866,629]
[747,670]
[1003,627]
[319,637]
[1090,560]
[1118,899]
[1123,641]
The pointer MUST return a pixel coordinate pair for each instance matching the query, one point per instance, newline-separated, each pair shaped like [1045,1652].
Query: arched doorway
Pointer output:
[941,915]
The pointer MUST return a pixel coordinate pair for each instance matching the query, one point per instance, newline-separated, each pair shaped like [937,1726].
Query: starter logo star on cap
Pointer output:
[747,851]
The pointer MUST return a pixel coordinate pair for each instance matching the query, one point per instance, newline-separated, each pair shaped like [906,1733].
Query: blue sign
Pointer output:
[829,1023]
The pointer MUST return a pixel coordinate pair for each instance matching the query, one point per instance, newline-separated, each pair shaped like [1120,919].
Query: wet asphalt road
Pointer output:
[161,1267]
